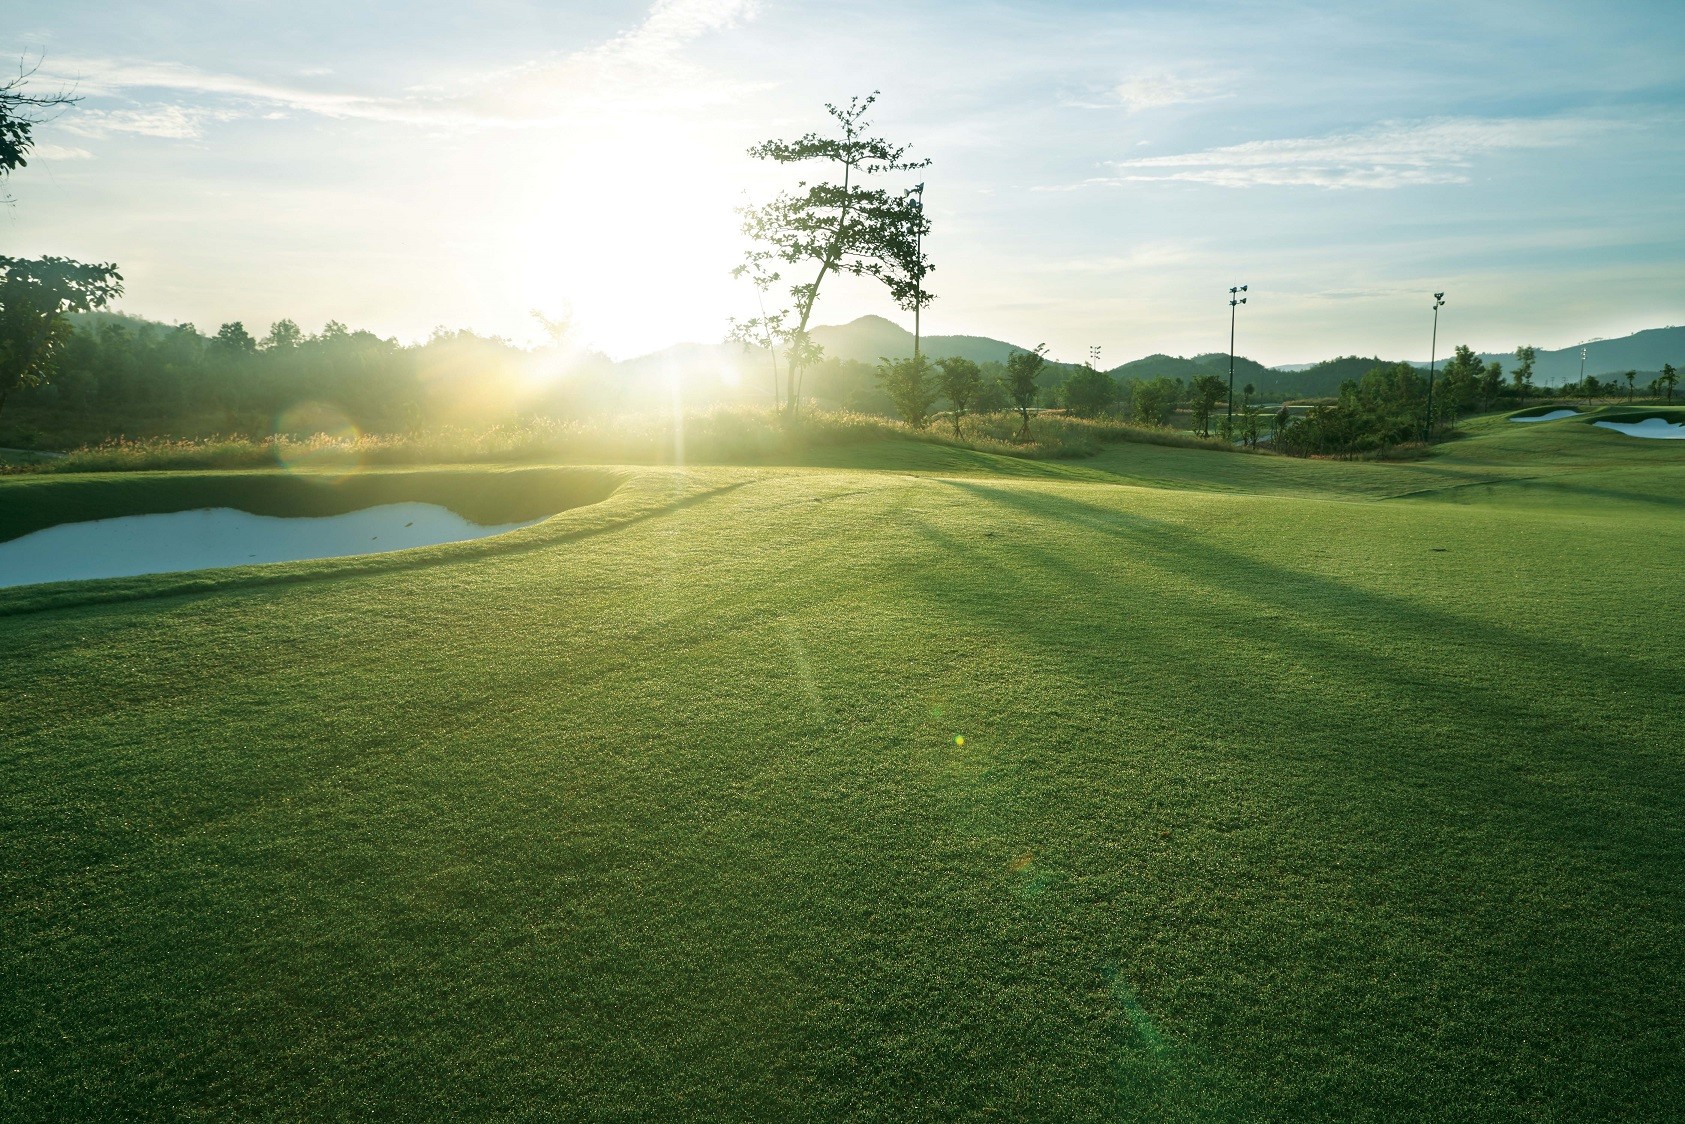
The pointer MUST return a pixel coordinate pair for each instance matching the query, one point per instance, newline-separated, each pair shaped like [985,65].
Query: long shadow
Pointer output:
[1187,555]
[1564,482]
[1607,796]
[1617,770]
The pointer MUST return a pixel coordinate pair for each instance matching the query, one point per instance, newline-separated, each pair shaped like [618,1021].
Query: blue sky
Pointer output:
[1102,172]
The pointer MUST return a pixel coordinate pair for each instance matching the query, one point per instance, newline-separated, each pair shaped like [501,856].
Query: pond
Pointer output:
[1552,416]
[1650,427]
[206,538]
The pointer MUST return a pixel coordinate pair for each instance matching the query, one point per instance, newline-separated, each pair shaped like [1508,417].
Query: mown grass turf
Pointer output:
[1274,801]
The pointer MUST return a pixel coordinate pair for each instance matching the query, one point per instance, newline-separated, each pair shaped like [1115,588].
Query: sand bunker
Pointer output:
[1552,416]
[1649,427]
[222,536]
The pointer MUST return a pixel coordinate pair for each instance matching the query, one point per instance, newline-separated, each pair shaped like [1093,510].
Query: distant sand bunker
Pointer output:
[1552,416]
[222,536]
[1658,428]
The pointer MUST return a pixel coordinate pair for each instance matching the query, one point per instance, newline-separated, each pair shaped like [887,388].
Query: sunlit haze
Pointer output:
[1101,172]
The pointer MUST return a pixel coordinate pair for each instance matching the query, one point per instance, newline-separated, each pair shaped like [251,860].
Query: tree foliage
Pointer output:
[1089,393]
[960,380]
[1204,394]
[1152,401]
[284,335]
[35,295]
[1525,356]
[20,111]
[911,385]
[843,224]
[1381,409]
[1022,367]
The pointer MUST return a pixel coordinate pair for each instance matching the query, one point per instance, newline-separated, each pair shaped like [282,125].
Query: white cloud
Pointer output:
[59,152]
[177,122]
[640,66]
[1388,155]
[1157,90]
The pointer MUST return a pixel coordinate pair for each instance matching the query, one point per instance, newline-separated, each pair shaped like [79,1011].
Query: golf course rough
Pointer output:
[1167,785]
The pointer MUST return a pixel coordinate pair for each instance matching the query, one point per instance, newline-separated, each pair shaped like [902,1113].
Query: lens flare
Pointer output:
[317,439]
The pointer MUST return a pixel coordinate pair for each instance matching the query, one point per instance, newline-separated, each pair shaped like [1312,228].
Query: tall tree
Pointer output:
[1204,394]
[1631,380]
[1280,420]
[1089,392]
[1250,415]
[35,296]
[909,384]
[1523,373]
[840,225]
[1491,381]
[1022,367]
[1155,399]
[284,335]
[1669,379]
[234,338]
[960,381]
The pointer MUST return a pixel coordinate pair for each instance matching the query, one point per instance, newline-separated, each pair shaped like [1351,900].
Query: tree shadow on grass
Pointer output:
[1612,774]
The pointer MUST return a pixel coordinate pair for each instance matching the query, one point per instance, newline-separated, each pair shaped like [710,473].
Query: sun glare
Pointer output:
[630,223]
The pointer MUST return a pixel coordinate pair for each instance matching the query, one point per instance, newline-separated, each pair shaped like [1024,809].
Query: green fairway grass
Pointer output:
[914,782]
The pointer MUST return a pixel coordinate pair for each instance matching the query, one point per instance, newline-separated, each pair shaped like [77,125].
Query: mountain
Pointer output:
[865,340]
[1322,380]
[1175,367]
[870,338]
[1644,352]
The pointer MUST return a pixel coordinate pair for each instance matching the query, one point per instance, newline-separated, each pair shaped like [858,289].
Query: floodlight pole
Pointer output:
[1233,302]
[1094,356]
[1433,356]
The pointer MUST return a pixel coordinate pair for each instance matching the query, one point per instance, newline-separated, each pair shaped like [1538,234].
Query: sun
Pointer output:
[631,225]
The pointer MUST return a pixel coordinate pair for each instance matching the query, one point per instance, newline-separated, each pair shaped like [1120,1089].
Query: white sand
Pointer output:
[1552,416]
[1649,427]
[222,536]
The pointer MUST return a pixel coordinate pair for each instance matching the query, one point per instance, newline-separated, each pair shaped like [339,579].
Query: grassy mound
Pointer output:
[590,502]
[1156,785]
[1675,414]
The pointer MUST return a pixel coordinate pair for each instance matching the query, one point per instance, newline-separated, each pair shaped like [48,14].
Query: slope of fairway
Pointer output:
[1150,788]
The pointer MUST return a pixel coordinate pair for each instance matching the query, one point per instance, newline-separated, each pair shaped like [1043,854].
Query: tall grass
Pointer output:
[726,435]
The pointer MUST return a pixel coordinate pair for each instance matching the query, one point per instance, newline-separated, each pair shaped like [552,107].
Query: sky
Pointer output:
[1101,173]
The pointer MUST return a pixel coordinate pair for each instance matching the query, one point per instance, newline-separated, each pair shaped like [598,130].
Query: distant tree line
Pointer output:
[118,375]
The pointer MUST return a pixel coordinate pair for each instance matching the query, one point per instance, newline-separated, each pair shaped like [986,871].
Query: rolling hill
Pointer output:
[1644,352]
